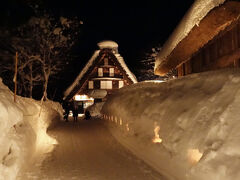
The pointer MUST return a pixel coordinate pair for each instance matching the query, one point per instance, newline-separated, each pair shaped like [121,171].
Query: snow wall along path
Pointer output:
[187,128]
[23,132]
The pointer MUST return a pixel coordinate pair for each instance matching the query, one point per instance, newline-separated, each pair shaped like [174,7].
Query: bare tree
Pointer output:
[146,70]
[43,44]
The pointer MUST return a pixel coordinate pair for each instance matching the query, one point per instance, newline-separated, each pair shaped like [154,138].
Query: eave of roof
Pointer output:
[196,19]
[81,74]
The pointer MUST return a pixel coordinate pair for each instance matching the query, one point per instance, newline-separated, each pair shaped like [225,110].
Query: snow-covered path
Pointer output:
[87,151]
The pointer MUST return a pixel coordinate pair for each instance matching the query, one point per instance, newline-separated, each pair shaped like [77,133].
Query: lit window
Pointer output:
[121,84]
[105,61]
[100,72]
[106,85]
[90,84]
[111,72]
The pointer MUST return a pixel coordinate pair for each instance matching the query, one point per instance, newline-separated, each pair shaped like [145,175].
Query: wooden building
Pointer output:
[208,38]
[104,73]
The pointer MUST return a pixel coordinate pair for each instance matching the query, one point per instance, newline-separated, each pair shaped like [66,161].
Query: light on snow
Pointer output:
[194,155]
[155,81]
[127,127]
[156,138]
[120,121]
[83,98]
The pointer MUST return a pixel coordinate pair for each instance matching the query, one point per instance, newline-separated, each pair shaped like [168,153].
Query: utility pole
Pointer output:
[15,77]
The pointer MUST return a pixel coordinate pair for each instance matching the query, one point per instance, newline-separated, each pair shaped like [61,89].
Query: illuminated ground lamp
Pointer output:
[127,127]
[194,155]
[156,138]
[116,119]
[120,121]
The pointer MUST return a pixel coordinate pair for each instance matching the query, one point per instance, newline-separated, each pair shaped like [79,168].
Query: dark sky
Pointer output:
[135,26]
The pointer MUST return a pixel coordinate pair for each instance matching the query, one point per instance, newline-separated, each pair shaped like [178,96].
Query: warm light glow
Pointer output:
[120,121]
[70,113]
[127,127]
[155,81]
[44,142]
[81,115]
[83,98]
[194,155]
[156,138]
[116,119]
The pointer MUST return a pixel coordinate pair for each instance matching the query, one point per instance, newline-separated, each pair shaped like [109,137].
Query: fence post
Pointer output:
[15,77]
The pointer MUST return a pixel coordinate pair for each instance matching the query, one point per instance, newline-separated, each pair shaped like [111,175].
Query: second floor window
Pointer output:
[100,72]
[106,85]
[121,84]
[111,72]
[90,85]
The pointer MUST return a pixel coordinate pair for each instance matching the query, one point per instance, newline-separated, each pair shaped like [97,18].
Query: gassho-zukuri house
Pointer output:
[105,72]
[207,38]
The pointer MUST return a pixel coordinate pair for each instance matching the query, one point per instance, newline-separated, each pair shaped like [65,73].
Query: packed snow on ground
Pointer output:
[187,128]
[23,131]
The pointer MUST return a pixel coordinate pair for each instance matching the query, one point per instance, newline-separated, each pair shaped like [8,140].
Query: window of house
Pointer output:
[105,61]
[106,85]
[90,85]
[100,72]
[111,72]
[121,84]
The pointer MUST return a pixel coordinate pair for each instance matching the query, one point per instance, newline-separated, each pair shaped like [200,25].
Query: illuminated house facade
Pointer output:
[208,38]
[104,73]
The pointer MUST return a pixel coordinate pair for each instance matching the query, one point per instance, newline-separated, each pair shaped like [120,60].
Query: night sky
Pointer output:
[136,27]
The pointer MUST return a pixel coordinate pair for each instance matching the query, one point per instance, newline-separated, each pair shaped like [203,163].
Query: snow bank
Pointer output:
[23,131]
[95,109]
[186,128]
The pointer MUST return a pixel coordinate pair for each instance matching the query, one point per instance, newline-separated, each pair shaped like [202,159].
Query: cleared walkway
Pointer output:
[87,151]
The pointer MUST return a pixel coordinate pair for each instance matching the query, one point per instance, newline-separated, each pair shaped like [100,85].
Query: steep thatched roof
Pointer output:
[216,21]
[104,44]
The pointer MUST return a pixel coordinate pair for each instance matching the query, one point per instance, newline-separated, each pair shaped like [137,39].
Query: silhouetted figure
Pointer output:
[66,107]
[75,111]
[87,115]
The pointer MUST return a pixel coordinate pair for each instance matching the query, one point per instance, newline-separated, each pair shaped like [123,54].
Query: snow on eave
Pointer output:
[82,73]
[107,44]
[195,14]
[124,66]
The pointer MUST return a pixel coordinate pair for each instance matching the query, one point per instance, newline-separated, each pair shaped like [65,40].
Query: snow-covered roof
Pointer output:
[79,77]
[195,14]
[107,44]
[123,64]
[120,59]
